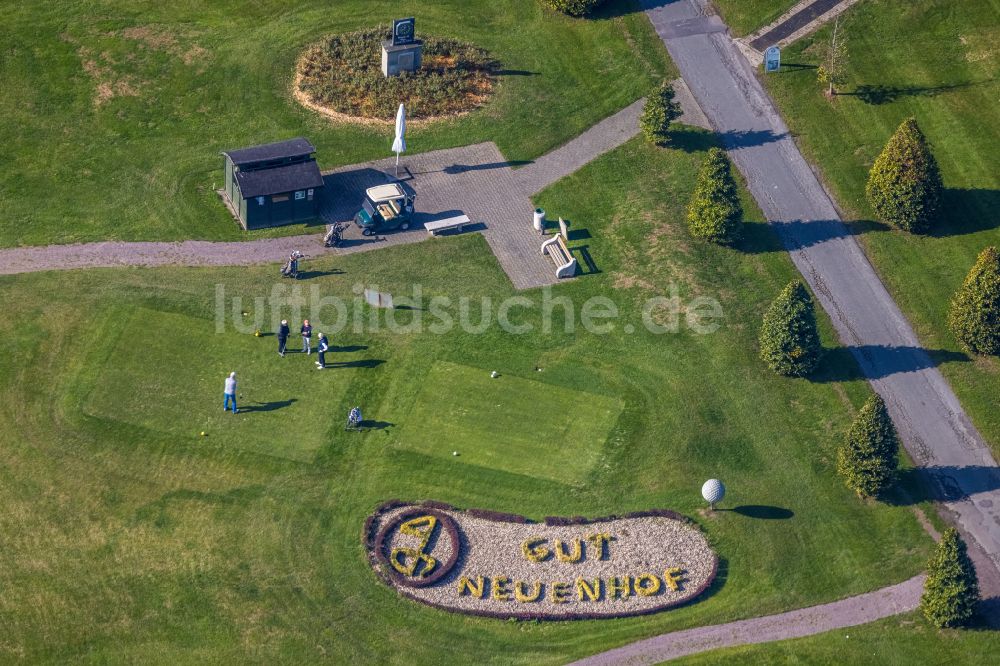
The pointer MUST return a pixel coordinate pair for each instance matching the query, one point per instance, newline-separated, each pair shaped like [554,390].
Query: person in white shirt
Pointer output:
[230,393]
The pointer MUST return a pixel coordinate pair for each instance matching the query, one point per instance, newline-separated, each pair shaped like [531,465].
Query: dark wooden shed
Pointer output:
[273,184]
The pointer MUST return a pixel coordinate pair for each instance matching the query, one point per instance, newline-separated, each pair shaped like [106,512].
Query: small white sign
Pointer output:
[772,59]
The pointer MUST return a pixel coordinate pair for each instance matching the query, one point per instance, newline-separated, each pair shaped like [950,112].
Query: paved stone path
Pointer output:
[476,180]
[849,612]
[934,428]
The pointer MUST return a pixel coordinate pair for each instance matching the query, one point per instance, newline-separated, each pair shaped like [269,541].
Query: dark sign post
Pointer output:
[403,31]
[772,59]
[401,53]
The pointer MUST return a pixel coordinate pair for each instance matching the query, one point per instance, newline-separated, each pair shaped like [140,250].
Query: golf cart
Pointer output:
[385,207]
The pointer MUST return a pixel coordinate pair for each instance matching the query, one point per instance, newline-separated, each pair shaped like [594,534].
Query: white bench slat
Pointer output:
[448,223]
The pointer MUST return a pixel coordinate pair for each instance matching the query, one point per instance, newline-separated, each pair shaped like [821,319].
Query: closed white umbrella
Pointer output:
[399,143]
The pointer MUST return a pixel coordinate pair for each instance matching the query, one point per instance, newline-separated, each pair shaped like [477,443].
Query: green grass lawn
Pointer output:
[937,61]
[115,111]
[901,641]
[745,16]
[517,425]
[127,537]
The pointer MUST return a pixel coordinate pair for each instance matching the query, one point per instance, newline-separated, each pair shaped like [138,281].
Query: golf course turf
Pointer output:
[128,536]
[116,112]
[141,523]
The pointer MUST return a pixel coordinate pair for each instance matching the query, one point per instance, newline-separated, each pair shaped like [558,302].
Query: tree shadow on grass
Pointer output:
[615,8]
[967,211]
[878,94]
[842,364]
[692,139]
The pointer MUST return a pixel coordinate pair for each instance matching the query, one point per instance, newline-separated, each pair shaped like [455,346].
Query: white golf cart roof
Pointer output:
[384,192]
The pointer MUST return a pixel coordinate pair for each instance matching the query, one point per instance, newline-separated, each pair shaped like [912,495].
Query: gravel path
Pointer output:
[849,612]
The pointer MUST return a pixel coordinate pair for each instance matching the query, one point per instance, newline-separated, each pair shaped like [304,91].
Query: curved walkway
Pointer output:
[849,612]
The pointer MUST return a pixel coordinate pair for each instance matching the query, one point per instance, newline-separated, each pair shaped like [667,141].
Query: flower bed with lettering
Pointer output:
[506,566]
[341,77]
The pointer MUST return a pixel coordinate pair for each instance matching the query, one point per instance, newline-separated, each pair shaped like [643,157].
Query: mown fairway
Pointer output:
[939,62]
[128,537]
[115,111]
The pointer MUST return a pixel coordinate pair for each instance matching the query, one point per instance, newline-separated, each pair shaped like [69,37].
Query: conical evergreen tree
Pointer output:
[951,590]
[975,310]
[789,341]
[715,213]
[869,457]
[660,110]
[904,184]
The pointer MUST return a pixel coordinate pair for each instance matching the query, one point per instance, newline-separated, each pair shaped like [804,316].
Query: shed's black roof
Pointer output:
[298,176]
[271,151]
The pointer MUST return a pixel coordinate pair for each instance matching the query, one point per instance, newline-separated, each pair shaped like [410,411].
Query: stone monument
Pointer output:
[402,52]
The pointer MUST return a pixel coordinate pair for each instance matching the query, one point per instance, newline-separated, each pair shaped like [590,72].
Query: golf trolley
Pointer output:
[335,234]
[291,267]
[354,420]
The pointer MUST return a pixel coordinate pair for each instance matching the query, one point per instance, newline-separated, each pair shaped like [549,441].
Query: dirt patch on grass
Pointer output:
[341,78]
[108,83]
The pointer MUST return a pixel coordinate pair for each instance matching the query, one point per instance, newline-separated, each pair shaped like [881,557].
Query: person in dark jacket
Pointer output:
[282,337]
[321,347]
[307,331]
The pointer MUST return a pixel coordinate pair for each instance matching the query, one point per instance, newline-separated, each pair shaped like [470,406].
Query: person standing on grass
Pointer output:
[307,331]
[230,393]
[282,337]
[321,347]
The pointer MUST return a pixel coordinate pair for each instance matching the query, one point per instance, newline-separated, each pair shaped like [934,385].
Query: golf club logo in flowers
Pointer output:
[506,566]
[418,547]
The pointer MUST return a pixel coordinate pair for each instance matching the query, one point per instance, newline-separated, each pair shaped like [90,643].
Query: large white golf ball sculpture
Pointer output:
[713,491]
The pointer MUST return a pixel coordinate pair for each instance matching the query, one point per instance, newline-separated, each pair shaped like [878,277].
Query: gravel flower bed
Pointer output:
[342,74]
[507,566]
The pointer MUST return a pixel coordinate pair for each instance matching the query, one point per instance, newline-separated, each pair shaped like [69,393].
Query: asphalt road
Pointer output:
[934,428]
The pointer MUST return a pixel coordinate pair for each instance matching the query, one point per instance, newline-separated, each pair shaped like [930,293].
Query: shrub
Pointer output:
[715,212]
[975,309]
[789,341]
[659,111]
[868,458]
[574,7]
[343,73]
[904,185]
[951,590]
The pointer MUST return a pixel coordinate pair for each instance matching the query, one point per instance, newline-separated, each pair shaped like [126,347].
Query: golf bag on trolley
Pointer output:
[334,235]
[291,267]
[354,419]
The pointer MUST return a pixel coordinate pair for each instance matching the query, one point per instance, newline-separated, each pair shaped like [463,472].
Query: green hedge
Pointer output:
[904,185]
[869,457]
[715,212]
[660,110]
[975,311]
[951,591]
[789,340]
[573,7]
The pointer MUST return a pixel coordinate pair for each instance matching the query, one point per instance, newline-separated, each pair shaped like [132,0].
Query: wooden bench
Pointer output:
[556,248]
[457,222]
